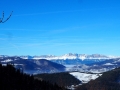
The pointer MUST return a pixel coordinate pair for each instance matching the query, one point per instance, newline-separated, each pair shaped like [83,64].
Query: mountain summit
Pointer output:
[69,56]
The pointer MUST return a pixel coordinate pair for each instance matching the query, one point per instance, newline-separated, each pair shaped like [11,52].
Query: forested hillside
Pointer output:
[62,79]
[14,79]
[108,81]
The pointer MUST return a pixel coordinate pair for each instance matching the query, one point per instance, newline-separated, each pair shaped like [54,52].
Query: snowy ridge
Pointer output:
[69,56]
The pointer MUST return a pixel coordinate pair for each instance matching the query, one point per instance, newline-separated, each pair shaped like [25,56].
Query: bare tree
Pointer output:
[2,19]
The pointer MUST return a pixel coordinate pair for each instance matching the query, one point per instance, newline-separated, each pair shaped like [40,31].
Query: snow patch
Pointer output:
[85,77]
[8,60]
[108,64]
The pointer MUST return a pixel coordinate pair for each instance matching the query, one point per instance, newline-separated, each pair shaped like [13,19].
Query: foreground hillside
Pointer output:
[12,79]
[62,79]
[108,81]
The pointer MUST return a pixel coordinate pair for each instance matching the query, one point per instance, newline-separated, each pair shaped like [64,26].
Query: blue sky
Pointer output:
[58,27]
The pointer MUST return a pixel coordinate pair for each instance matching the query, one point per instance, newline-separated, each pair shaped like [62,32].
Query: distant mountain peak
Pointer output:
[70,56]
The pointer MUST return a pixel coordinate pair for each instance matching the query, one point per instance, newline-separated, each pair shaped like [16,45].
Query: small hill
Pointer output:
[42,65]
[62,79]
[108,81]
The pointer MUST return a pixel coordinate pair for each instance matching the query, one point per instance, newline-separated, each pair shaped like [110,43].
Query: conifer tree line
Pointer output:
[13,79]
[2,20]
[62,79]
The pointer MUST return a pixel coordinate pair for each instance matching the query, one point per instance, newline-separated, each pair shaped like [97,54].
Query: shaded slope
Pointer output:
[62,79]
[108,81]
[30,64]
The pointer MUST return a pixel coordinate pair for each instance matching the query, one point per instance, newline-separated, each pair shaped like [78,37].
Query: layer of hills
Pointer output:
[33,66]
[96,66]
[60,65]
[14,79]
[85,68]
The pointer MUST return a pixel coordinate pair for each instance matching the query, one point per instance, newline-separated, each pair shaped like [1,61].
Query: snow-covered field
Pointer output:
[85,77]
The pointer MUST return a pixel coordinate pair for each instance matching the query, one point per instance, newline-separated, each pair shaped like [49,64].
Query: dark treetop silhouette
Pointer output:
[2,19]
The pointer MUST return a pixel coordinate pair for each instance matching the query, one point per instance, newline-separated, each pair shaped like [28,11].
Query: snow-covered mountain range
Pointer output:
[69,56]
[79,62]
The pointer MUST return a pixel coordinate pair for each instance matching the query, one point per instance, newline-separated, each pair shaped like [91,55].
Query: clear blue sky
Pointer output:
[39,27]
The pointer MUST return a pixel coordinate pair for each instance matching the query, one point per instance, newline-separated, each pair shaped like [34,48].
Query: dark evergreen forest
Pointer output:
[15,79]
[62,79]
